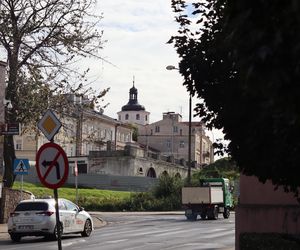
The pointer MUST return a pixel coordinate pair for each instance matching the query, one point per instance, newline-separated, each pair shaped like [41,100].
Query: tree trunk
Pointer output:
[9,157]
[10,116]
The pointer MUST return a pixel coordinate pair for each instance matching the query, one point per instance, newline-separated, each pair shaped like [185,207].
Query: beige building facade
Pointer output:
[81,133]
[170,137]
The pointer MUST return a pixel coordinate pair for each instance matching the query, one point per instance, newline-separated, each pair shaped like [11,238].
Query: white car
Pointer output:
[38,218]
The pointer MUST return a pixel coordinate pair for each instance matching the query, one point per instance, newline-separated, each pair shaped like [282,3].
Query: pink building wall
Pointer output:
[262,209]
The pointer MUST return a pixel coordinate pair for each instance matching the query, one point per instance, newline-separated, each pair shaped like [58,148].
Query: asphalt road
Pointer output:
[136,231]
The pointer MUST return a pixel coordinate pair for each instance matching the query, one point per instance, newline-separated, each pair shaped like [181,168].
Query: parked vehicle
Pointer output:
[212,197]
[38,218]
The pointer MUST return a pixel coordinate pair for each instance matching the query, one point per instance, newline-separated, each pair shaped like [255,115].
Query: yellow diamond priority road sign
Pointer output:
[49,124]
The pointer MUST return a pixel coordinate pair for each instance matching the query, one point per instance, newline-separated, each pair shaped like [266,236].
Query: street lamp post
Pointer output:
[190,142]
[171,67]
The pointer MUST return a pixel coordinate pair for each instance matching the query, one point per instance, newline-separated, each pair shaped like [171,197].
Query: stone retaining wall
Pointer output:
[9,200]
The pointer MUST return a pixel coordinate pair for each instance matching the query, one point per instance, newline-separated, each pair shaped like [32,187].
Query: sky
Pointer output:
[137,32]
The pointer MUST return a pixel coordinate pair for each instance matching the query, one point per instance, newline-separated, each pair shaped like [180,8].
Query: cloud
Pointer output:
[137,34]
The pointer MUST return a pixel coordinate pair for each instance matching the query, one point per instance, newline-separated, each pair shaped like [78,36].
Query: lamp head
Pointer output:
[171,67]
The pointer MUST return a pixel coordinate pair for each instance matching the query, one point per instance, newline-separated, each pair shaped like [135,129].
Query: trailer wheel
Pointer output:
[213,214]
[203,216]
[226,213]
[192,217]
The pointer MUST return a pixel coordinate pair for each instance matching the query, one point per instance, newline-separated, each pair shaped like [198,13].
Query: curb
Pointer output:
[98,221]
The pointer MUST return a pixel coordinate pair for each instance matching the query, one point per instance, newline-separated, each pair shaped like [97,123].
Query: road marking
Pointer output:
[115,241]
[67,244]
[177,229]
[215,235]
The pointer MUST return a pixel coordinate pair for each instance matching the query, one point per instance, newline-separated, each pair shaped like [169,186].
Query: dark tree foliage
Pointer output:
[243,58]
[221,168]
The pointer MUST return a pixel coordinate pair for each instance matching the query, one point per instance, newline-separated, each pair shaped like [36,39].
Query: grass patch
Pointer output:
[163,197]
[89,198]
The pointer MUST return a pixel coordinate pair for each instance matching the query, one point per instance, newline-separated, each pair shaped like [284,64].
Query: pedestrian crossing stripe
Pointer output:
[21,166]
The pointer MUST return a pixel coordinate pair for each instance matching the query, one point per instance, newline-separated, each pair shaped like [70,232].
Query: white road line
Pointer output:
[169,232]
[120,232]
[215,235]
[160,232]
[115,241]
[66,244]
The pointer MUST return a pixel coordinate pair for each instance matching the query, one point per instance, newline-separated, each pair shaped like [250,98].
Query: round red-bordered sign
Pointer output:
[52,165]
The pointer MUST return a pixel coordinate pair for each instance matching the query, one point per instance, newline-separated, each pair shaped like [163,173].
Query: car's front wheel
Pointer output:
[15,237]
[87,229]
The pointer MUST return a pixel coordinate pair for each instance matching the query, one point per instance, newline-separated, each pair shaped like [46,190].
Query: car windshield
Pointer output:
[32,206]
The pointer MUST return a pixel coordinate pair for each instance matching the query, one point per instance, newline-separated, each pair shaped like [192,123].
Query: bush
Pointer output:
[168,186]
[268,241]
[163,197]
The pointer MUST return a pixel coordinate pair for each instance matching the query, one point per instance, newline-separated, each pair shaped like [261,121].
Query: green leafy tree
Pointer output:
[242,58]
[222,168]
[43,40]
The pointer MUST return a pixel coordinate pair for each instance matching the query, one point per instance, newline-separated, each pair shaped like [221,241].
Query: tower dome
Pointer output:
[133,104]
[133,112]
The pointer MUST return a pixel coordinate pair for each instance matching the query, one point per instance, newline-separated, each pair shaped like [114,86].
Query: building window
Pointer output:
[168,143]
[157,129]
[146,118]
[18,145]
[175,129]
[151,132]
[126,117]
[137,116]
[181,144]
[180,132]
[119,117]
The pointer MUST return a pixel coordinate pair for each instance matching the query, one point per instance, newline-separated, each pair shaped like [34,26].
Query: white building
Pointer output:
[133,112]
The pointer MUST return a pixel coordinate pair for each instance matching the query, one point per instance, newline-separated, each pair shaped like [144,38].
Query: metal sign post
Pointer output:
[52,163]
[22,180]
[52,169]
[21,167]
[58,224]
[76,180]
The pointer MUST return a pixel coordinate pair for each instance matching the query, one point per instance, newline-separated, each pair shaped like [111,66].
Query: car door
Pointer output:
[73,213]
[64,216]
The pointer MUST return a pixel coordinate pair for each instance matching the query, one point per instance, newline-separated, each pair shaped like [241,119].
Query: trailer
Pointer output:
[212,197]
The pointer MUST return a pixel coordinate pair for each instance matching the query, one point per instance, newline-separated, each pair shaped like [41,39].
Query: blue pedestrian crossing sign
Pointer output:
[21,166]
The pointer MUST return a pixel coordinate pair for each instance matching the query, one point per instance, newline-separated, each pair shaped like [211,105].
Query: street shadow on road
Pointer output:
[32,239]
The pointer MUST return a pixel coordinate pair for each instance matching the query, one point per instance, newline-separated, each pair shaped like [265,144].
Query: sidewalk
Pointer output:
[3,232]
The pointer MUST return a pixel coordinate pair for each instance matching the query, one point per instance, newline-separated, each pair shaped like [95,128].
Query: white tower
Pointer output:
[133,112]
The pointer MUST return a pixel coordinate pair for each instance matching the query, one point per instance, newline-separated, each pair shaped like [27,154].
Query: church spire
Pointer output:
[133,81]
